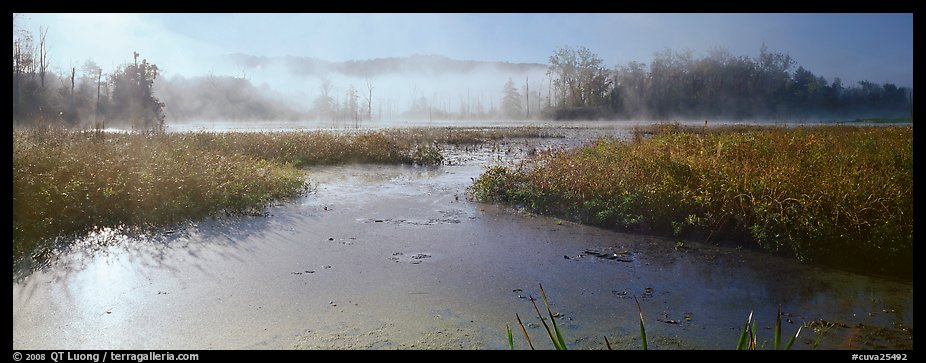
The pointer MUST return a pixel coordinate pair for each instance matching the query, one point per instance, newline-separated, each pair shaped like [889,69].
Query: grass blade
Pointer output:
[545,326]
[741,344]
[752,335]
[778,329]
[606,342]
[559,336]
[642,326]
[528,337]
[510,338]
[791,341]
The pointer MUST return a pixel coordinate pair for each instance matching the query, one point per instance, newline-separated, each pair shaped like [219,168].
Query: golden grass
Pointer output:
[66,183]
[839,195]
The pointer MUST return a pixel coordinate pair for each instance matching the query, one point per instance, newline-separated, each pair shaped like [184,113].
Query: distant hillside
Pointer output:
[429,64]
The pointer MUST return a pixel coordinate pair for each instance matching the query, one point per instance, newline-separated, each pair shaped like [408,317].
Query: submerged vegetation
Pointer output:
[839,195]
[70,182]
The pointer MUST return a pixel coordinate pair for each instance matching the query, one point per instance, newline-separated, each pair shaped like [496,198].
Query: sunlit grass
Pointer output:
[884,120]
[66,183]
[837,195]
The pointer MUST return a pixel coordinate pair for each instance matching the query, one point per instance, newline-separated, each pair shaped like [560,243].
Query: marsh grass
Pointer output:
[748,339]
[884,120]
[66,183]
[836,195]
[556,337]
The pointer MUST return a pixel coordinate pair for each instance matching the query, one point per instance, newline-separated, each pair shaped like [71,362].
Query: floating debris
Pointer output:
[622,294]
[622,256]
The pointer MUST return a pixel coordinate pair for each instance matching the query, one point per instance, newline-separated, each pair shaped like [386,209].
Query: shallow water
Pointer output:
[384,257]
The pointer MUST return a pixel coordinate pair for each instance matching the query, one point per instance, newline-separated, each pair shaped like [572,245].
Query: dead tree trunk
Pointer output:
[370,100]
[527,94]
[43,56]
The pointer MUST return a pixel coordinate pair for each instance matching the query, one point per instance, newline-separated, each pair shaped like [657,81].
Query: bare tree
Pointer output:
[527,95]
[43,56]
[370,99]
[96,111]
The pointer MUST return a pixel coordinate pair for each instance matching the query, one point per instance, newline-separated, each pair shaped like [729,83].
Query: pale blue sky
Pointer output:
[875,47]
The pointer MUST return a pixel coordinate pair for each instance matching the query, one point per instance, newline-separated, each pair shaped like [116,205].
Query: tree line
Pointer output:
[578,86]
[719,85]
[82,97]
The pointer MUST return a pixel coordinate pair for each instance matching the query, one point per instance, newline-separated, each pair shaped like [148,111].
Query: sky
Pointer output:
[854,47]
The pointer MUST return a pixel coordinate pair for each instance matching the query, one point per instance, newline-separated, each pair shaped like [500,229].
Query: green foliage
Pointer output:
[836,195]
[556,337]
[748,339]
[510,337]
[642,325]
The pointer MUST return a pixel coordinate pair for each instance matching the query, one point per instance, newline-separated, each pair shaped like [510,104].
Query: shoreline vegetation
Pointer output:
[836,195]
[68,182]
[840,196]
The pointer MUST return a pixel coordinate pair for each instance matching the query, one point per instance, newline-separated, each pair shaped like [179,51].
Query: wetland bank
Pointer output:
[386,256]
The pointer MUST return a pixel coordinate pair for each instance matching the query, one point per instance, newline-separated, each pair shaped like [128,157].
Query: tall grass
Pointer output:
[67,183]
[837,195]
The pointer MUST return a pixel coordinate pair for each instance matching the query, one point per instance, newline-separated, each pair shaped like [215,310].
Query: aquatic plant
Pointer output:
[748,336]
[747,339]
[556,337]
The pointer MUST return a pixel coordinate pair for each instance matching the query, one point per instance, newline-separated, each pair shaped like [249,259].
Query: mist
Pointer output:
[392,69]
[418,87]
